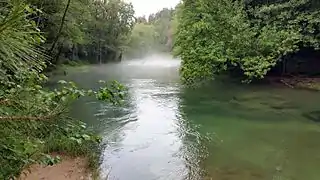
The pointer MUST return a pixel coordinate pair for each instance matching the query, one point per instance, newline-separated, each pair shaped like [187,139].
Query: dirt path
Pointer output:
[67,169]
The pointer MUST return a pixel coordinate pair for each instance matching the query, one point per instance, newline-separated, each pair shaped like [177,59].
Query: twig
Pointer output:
[61,26]
[30,118]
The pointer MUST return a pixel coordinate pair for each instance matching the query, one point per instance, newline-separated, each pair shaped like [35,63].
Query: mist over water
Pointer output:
[155,60]
[221,131]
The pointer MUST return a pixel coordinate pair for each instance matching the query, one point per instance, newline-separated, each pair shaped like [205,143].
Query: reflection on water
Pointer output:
[145,140]
[221,131]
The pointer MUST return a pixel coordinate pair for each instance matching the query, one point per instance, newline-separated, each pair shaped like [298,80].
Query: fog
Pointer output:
[155,59]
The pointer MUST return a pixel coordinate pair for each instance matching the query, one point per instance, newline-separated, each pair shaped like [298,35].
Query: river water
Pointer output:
[222,131]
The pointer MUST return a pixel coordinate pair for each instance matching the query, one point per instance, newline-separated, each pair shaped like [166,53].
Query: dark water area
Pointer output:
[221,131]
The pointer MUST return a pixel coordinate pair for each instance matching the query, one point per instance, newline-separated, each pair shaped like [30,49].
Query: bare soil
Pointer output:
[68,169]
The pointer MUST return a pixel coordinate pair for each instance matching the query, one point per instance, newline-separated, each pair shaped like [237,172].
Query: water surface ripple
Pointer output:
[222,131]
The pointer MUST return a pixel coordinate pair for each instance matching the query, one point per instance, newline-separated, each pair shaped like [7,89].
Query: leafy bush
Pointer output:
[34,120]
[222,35]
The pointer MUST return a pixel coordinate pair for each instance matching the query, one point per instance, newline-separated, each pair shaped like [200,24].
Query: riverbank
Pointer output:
[34,123]
[71,168]
[47,145]
[306,83]
[63,69]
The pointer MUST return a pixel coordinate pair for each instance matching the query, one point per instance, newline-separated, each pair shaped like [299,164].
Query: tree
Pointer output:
[223,36]
[152,35]
[91,30]
[162,21]
[61,26]
[34,120]
[142,40]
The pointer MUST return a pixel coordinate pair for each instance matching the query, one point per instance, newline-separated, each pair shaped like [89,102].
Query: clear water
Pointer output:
[223,131]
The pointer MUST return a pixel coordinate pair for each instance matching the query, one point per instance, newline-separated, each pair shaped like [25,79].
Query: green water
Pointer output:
[221,131]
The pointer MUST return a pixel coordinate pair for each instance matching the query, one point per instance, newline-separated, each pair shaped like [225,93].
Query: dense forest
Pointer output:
[35,36]
[248,38]
[83,29]
[152,34]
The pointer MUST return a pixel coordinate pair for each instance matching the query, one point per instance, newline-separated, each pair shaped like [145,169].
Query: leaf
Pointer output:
[86,137]
[28,9]
[63,98]
[62,82]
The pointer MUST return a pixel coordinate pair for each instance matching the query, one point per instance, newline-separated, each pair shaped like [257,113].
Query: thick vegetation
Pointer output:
[34,120]
[88,30]
[249,37]
[152,34]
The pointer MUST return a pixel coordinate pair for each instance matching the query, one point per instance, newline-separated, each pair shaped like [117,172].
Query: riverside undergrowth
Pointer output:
[243,38]
[34,122]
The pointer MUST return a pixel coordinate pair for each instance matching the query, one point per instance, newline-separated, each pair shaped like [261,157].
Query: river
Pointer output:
[221,131]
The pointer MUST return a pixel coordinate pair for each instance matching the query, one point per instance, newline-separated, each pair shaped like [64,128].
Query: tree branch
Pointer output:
[61,26]
[29,118]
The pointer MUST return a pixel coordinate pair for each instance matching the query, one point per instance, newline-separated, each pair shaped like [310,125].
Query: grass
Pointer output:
[25,143]
[76,141]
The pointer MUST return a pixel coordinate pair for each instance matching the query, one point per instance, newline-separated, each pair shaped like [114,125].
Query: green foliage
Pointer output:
[19,38]
[162,22]
[152,35]
[34,121]
[142,40]
[110,27]
[299,16]
[69,137]
[221,36]
[93,30]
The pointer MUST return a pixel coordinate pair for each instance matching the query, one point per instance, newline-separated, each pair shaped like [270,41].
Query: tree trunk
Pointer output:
[100,52]
[74,52]
[57,57]
[61,26]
